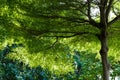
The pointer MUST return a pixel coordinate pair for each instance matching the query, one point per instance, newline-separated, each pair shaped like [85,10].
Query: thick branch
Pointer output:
[108,9]
[103,5]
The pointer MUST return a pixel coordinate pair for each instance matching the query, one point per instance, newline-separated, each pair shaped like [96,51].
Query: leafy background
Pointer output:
[23,55]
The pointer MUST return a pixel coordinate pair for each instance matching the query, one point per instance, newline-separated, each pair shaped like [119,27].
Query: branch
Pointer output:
[108,9]
[79,20]
[72,19]
[89,9]
[40,32]
[49,16]
[114,20]
[70,33]
[103,6]
[52,45]
[95,24]
[78,8]
[91,21]
[115,13]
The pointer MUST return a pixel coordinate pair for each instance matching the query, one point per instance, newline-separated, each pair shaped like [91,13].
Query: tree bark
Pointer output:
[104,54]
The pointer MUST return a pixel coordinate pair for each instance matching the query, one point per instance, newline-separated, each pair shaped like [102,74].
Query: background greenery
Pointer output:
[24,55]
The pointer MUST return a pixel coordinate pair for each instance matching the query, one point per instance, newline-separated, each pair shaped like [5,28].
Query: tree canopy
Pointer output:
[45,25]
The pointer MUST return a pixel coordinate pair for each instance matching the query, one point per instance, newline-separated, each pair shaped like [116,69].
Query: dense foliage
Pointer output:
[38,38]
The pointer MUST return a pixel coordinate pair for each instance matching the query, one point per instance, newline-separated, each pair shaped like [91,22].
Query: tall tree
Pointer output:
[65,19]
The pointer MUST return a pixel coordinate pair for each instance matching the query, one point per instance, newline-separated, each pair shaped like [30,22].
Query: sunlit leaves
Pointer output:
[38,25]
[116,7]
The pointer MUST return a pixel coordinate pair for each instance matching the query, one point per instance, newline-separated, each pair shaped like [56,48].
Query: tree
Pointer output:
[64,19]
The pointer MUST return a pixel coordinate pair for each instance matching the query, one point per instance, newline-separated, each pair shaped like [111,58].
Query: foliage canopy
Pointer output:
[43,26]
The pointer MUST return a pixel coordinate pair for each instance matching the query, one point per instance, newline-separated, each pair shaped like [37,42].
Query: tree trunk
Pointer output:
[104,54]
